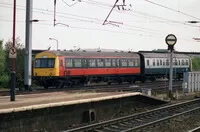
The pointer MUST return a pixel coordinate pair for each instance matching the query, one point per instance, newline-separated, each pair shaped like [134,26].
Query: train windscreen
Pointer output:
[45,63]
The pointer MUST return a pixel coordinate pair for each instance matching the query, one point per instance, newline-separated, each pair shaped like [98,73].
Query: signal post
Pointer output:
[171,41]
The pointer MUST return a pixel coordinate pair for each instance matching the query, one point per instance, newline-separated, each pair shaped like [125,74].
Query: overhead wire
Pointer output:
[149,16]
[96,20]
[92,20]
[93,29]
[172,9]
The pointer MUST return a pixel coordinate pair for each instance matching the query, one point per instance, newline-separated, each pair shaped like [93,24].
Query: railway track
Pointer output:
[197,129]
[143,120]
[103,88]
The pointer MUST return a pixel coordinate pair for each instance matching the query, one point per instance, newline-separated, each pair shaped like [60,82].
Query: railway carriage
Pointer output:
[60,68]
[157,65]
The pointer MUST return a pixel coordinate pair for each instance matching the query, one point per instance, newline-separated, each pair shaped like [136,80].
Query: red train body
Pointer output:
[59,68]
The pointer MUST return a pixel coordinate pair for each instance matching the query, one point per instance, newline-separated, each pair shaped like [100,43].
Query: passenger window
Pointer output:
[77,63]
[187,63]
[182,62]
[179,62]
[123,62]
[176,62]
[154,63]
[161,62]
[167,62]
[137,62]
[147,62]
[68,63]
[108,62]
[157,62]
[100,62]
[131,63]
[113,62]
[92,63]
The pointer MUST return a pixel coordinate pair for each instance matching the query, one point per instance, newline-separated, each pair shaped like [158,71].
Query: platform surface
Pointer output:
[44,100]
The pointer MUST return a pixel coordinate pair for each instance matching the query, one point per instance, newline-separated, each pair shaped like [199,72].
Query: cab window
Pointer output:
[45,63]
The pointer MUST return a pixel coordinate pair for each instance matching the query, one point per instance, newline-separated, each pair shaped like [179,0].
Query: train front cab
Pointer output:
[46,68]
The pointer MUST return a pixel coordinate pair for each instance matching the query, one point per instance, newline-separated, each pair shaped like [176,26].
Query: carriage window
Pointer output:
[163,63]
[68,62]
[160,62]
[187,63]
[182,62]
[92,63]
[154,63]
[167,62]
[100,62]
[147,62]
[157,62]
[176,62]
[137,62]
[113,62]
[131,63]
[45,63]
[179,62]
[123,62]
[108,62]
[77,63]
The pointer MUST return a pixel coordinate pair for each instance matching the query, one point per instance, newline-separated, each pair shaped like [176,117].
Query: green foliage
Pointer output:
[2,58]
[196,64]
[4,81]
[4,78]
[19,62]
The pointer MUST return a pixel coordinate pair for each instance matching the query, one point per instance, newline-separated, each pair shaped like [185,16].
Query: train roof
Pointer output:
[162,55]
[95,53]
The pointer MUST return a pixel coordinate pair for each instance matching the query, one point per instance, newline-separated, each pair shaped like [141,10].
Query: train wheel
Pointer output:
[153,79]
[45,86]
[119,81]
[132,80]
[62,85]
[109,83]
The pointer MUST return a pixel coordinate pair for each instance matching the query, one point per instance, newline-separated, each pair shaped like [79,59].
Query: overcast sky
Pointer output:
[142,26]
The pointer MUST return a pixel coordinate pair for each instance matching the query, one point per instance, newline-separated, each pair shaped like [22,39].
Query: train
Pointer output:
[70,68]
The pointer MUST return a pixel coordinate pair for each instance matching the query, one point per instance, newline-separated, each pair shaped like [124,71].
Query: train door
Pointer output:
[61,67]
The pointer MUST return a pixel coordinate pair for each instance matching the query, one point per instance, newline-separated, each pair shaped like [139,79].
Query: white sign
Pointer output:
[171,39]
[12,52]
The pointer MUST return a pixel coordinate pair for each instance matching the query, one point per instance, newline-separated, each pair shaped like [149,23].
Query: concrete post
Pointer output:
[28,46]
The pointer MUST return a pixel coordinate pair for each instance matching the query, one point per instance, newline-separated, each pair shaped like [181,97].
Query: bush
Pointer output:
[4,81]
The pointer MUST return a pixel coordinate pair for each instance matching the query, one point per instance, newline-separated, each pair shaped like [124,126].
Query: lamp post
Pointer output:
[171,41]
[55,40]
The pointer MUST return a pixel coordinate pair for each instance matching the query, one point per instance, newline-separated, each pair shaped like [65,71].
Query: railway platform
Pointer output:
[44,100]
[57,111]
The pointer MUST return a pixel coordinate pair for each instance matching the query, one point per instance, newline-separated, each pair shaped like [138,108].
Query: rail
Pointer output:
[197,129]
[143,119]
[158,86]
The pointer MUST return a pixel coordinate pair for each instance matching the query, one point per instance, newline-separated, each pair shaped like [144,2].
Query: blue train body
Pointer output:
[157,65]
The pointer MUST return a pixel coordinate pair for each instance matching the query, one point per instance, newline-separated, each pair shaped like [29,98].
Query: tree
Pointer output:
[4,78]
[19,61]
[196,64]
[2,58]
